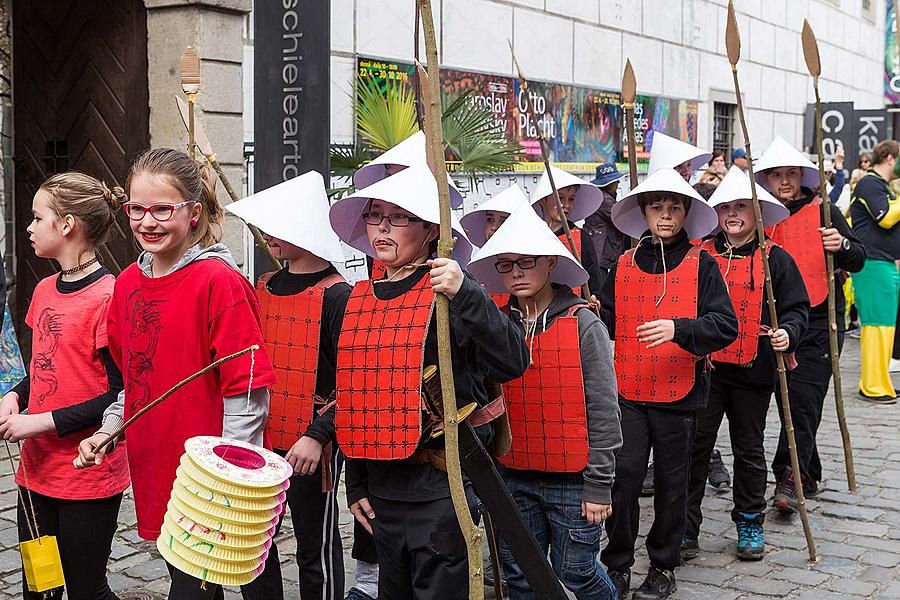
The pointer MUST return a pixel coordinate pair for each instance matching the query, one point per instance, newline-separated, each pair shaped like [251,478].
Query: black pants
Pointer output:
[672,433]
[84,531]
[363,545]
[320,556]
[187,587]
[421,550]
[807,387]
[746,411]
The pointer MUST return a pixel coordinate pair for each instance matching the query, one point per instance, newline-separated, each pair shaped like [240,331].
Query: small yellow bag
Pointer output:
[43,568]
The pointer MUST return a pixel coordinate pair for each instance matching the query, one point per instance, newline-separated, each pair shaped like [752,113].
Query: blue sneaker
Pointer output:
[751,539]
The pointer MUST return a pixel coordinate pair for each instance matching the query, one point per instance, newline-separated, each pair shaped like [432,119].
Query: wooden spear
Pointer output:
[811,54]
[434,147]
[629,89]
[190,85]
[733,47]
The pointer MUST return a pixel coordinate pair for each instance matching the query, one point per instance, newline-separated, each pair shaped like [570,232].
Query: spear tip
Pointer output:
[732,36]
[190,71]
[811,50]
[629,83]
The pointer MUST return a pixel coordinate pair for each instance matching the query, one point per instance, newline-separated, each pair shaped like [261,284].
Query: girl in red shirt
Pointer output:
[181,306]
[72,379]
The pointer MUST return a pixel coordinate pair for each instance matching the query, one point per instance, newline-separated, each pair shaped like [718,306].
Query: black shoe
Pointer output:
[357,594]
[690,548]
[718,477]
[811,489]
[878,399]
[785,499]
[647,487]
[659,584]
[621,581]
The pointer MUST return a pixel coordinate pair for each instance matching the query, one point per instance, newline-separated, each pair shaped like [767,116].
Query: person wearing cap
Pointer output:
[579,200]
[739,159]
[666,306]
[744,373]
[301,309]
[559,471]
[875,213]
[667,152]
[395,479]
[789,176]
[609,243]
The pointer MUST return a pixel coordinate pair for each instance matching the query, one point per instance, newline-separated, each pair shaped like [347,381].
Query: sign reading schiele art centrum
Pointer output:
[581,125]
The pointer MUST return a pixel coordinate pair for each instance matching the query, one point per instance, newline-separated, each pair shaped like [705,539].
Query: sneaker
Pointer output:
[894,366]
[621,581]
[855,334]
[878,399]
[659,584]
[718,477]
[647,487]
[690,548]
[751,539]
[811,489]
[785,499]
[357,594]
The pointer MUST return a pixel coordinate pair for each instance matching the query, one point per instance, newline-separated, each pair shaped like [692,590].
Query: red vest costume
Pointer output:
[291,327]
[576,237]
[745,279]
[546,408]
[799,236]
[379,372]
[665,373]
[379,271]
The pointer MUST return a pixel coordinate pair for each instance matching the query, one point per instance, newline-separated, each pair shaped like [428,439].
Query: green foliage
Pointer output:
[385,117]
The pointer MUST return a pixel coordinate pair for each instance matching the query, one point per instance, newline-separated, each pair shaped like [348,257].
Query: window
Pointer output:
[723,128]
[868,9]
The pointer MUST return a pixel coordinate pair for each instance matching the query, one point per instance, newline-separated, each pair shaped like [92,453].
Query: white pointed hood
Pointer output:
[736,186]
[781,154]
[525,233]
[587,199]
[412,189]
[626,214]
[295,211]
[668,152]
[506,201]
[407,153]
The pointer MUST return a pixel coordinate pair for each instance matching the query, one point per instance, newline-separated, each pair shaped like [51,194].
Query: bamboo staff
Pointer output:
[733,47]
[545,155]
[629,89]
[435,151]
[811,54]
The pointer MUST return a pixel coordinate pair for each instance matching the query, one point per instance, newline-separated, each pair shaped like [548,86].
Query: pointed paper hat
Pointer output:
[736,186]
[506,201]
[628,218]
[412,189]
[781,154]
[295,211]
[525,233]
[407,153]
[588,198]
[667,152]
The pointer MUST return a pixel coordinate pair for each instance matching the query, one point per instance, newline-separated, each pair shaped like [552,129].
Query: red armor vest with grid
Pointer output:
[379,372]
[290,327]
[745,279]
[799,236]
[546,405]
[665,373]
[379,271]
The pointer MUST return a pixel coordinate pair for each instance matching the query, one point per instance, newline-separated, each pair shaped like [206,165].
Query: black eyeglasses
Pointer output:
[524,263]
[396,220]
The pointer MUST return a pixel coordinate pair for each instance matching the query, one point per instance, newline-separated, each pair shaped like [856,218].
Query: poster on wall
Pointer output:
[676,118]
[891,60]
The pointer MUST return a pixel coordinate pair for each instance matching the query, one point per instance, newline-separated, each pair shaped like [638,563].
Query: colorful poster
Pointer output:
[891,61]
[676,118]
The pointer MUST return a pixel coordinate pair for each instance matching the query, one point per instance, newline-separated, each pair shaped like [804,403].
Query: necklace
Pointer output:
[80,267]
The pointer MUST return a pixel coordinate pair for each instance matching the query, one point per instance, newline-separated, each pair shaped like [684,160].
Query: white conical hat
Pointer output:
[506,201]
[412,189]
[781,154]
[525,233]
[736,186]
[628,218]
[407,153]
[588,198]
[295,211]
[667,152]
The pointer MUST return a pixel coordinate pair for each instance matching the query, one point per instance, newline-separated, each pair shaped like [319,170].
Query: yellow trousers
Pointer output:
[876,345]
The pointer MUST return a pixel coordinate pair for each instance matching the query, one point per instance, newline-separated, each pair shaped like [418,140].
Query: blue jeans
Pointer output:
[551,507]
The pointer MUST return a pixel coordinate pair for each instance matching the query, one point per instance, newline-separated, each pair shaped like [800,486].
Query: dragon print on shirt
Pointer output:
[144,317]
[49,328]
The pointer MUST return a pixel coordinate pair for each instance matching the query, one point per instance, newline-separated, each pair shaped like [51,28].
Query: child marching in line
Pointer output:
[565,434]
[482,222]
[181,306]
[396,485]
[72,379]
[789,176]
[301,307]
[666,305]
[744,374]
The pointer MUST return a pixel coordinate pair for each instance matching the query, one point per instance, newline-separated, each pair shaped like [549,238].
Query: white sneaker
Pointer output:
[894,366]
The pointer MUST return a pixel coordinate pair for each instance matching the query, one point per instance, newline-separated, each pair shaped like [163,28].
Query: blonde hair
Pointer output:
[193,182]
[89,200]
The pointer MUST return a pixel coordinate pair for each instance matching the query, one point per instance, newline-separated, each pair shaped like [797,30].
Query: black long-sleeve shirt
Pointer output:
[609,243]
[714,328]
[484,343]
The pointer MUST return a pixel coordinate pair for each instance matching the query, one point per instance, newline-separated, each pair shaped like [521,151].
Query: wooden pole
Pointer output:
[435,151]
[811,54]
[733,47]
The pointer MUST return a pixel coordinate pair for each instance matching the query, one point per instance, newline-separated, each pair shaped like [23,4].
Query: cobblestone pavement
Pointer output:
[858,536]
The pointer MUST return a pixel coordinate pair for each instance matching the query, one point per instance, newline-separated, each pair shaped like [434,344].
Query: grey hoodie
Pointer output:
[601,396]
[244,418]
